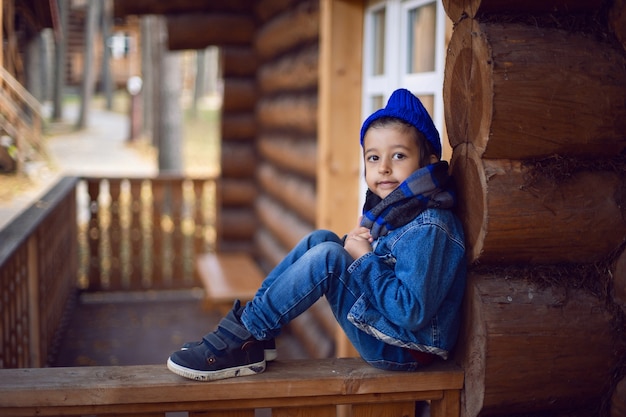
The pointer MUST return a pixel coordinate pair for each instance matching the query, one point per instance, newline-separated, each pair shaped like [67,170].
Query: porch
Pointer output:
[101,272]
[98,287]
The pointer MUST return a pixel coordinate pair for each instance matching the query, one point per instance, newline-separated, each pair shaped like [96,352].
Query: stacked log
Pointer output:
[511,218]
[536,117]
[238,222]
[286,114]
[201,29]
[532,349]
[287,46]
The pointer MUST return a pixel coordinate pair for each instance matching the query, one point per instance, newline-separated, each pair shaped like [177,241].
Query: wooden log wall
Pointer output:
[287,47]
[232,26]
[535,112]
[239,157]
[529,339]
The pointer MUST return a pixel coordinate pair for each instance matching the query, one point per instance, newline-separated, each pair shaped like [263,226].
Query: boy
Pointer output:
[394,283]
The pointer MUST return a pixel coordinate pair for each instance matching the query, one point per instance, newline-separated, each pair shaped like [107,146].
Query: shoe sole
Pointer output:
[245,370]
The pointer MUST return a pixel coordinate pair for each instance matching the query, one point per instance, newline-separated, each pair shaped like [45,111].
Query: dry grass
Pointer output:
[201,150]
[12,185]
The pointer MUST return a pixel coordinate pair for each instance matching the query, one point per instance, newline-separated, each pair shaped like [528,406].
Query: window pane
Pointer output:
[376,103]
[421,42]
[378,61]
[429,102]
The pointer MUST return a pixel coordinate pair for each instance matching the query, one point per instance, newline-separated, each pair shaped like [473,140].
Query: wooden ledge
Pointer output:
[227,277]
[48,391]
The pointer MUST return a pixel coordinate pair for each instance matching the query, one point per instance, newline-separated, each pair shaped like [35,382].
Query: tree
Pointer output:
[107,84]
[91,21]
[59,62]
[169,107]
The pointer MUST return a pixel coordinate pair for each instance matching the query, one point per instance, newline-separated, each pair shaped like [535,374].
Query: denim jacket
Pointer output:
[413,284]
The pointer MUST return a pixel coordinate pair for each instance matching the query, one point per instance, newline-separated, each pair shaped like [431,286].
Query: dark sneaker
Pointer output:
[227,352]
[269,348]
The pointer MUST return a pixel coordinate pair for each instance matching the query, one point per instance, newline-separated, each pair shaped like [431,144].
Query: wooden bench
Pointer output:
[227,277]
[289,388]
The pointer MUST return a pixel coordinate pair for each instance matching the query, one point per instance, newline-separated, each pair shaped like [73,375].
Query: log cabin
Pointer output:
[530,97]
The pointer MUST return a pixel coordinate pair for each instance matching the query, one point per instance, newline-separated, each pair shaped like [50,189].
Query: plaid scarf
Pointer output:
[428,187]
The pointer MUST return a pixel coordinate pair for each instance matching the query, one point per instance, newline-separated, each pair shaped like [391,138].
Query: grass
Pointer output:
[201,150]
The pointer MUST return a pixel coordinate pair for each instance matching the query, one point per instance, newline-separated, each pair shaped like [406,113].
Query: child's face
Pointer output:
[391,154]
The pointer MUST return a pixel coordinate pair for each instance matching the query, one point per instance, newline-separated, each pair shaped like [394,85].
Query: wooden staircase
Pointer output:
[20,120]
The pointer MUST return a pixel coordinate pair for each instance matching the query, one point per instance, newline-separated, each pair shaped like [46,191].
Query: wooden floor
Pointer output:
[140,329]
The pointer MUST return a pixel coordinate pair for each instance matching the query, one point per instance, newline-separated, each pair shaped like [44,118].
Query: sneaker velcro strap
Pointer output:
[235,329]
[214,340]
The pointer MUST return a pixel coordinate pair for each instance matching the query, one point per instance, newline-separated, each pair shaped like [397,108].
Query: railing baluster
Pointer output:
[136,234]
[94,233]
[201,223]
[177,248]
[158,196]
[115,236]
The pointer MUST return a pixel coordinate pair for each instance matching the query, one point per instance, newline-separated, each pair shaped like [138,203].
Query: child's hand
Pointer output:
[358,242]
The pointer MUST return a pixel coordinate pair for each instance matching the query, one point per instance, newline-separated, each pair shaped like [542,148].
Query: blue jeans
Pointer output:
[316,267]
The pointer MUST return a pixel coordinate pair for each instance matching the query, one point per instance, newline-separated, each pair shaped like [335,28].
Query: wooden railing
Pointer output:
[38,263]
[21,118]
[144,233]
[95,234]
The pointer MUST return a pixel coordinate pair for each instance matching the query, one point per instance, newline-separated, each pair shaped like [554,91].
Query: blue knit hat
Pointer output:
[405,106]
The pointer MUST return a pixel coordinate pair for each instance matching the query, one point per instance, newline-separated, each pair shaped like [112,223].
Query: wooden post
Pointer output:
[339,113]
[34,312]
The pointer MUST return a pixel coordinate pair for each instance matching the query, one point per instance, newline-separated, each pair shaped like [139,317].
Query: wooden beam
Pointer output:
[339,114]
[339,122]
[122,8]
[457,9]
[197,31]
[512,94]
[143,389]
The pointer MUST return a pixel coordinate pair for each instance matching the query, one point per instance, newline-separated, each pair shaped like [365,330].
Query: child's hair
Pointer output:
[426,149]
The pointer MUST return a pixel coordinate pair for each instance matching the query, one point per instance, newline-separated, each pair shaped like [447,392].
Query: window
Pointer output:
[404,46]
